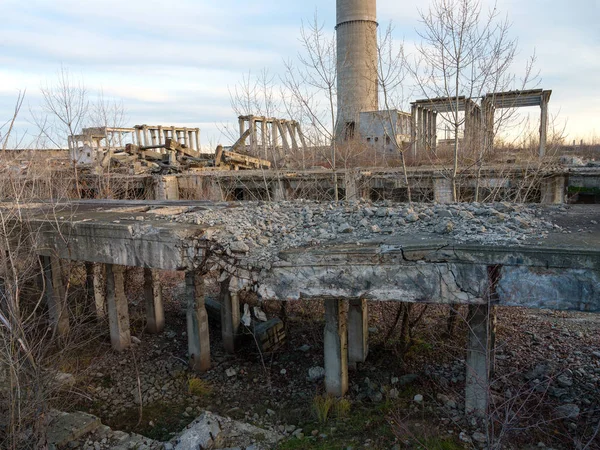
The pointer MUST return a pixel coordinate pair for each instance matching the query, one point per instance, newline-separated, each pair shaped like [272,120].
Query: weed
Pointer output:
[342,408]
[199,387]
[322,405]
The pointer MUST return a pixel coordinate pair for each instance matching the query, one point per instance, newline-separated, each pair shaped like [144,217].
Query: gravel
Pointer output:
[251,234]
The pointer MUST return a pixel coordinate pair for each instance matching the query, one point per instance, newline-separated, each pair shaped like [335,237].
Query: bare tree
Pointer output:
[66,106]
[465,52]
[310,88]
[392,71]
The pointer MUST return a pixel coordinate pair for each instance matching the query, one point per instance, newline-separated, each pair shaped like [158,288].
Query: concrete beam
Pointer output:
[336,348]
[197,323]
[230,316]
[358,331]
[155,315]
[478,363]
[56,295]
[118,312]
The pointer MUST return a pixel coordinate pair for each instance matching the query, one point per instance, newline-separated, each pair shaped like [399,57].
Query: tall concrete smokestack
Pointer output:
[356,63]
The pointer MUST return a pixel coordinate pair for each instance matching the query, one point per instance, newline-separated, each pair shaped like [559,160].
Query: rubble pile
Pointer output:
[255,232]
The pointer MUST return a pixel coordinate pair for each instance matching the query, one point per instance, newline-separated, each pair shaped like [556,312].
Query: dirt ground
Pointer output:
[545,391]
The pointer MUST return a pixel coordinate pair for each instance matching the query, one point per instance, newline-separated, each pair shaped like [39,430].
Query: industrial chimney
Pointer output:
[356,63]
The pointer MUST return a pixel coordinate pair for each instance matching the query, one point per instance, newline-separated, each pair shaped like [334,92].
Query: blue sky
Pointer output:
[174,62]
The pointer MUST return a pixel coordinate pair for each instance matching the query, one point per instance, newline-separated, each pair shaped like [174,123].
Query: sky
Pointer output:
[175,62]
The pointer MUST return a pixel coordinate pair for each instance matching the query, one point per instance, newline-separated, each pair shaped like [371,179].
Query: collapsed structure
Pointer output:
[515,256]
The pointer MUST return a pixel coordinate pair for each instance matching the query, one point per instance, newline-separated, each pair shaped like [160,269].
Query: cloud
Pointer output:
[174,61]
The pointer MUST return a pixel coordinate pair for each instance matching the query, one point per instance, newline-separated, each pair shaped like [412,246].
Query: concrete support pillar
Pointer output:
[138,137]
[230,316]
[292,133]
[153,134]
[420,128]
[118,312]
[278,191]
[478,360]
[336,348]
[99,283]
[553,190]
[264,138]
[161,135]
[241,123]
[198,139]
[544,124]
[274,138]
[413,130]
[56,295]
[433,130]
[284,141]
[358,331]
[146,136]
[155,315]
[425,130]
[442,190]
[350,179]
[186,138]
[197,323]
[302,143]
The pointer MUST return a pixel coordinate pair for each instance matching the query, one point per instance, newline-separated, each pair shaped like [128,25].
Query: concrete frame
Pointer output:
[559,274]
[272,130]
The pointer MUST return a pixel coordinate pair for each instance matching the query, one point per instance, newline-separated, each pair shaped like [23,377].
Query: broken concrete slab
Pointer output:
[213,431]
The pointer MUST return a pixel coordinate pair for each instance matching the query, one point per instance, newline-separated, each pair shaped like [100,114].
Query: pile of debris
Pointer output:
[253,233]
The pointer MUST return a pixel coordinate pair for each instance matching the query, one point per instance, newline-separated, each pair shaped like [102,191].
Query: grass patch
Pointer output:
[322,405]
[199,387]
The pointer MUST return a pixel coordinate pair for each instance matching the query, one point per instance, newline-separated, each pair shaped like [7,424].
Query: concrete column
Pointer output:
[241,123]
[186,138]
[264,138]
[161,135]
[425,129]
[350,178]
[155,315]
[432,129]
[420,120]
[302,143]
[477,364]
[197,323]
[284,141]
[292,133]
[230,316]
[198,139]
[154,137]
[413,130]
[543,125]
[336,348]
[553,190]
[99,283]
[146,136]
[274,139]
[138,137]
[56,295]
[358,331]
[118,313]
[442,190]
[278,191]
